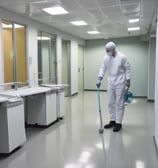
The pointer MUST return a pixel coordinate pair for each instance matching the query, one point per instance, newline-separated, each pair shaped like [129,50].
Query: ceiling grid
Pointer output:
[109,17]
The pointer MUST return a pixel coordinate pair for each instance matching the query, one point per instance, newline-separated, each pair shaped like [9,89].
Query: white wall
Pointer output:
[74,67]
[156,92]
[151,68]
[32,56]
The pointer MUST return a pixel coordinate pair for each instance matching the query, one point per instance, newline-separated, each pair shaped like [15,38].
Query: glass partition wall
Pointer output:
[47,70]
[14,52]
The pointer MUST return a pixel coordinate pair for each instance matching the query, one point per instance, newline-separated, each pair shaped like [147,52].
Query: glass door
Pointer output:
[7,35]
[14,51]
[66,65]
[47,58]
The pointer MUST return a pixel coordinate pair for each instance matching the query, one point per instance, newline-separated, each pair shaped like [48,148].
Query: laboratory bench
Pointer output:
[39,103]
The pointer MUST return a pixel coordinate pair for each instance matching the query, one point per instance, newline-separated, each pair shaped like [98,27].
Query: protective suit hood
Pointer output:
[110,45]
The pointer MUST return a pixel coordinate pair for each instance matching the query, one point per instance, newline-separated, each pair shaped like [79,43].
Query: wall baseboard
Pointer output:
[143,97]
[95,90]
[74,94]
[149,100]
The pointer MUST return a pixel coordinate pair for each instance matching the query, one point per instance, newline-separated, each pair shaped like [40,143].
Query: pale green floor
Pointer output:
[75,142]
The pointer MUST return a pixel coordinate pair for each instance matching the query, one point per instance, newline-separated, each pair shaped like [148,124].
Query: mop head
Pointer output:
[101,130]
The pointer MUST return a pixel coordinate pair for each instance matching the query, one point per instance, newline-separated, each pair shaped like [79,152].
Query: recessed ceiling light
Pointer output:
[78,23]
[37,2]
[11,26]
[93,32]
[133,28]
[133,20]
[56,10]
[43,38]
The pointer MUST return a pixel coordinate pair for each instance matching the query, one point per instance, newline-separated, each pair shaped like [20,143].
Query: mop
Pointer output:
[101,129]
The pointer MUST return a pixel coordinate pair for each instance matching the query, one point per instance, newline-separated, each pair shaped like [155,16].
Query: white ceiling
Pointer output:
[109,17]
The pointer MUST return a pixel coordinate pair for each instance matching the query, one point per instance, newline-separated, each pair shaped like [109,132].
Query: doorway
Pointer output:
[47,58]
[80,68]
[66,65]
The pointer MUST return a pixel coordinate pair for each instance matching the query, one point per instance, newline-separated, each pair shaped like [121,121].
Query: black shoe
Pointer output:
[117,127]
[110,125]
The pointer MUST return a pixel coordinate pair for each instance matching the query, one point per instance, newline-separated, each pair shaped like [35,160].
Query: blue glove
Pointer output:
[128,82]
[98,84]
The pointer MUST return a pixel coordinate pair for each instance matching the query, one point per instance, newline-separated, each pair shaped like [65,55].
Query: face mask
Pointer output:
[109,53]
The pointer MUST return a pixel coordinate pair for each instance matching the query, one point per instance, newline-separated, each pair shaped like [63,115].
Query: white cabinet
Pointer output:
[51,107]
[41,109]
[12,128]
[60,103]
[59,89]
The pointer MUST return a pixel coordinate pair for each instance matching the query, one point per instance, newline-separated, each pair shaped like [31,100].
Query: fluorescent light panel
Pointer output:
[43,38]
[133,28]
[93,32]
[56,10]
[37,2]
[79,23]
[134,20]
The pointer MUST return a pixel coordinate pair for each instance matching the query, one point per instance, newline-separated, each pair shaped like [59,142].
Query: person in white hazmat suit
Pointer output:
[119,75]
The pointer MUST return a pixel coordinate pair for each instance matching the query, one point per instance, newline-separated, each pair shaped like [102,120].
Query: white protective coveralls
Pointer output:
[118,69]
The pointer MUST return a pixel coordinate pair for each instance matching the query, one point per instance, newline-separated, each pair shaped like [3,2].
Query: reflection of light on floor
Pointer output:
[89,166]
[126,140]
[100,145]
[98,120]
[72,165]
[84,157]
[78,165]
[140,164]
[82,161]
[134,101]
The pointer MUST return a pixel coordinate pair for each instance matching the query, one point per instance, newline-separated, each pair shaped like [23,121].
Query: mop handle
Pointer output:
[99,107]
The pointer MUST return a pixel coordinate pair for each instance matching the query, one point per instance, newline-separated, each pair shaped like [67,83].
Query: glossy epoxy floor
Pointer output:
[75,142]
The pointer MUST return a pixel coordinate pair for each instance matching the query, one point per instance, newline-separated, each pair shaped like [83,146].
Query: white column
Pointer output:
[151,68]
[156,91]
[59,59]
[74,67]
[32,56]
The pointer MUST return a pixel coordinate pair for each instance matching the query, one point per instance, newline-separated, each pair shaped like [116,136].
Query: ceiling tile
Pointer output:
[86,3]
[70,5]
[127,2]
[110,17]
[115,18]
[131,8]
[132,15]
[99,15]
[112,10]
[106,3]
[45,4]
